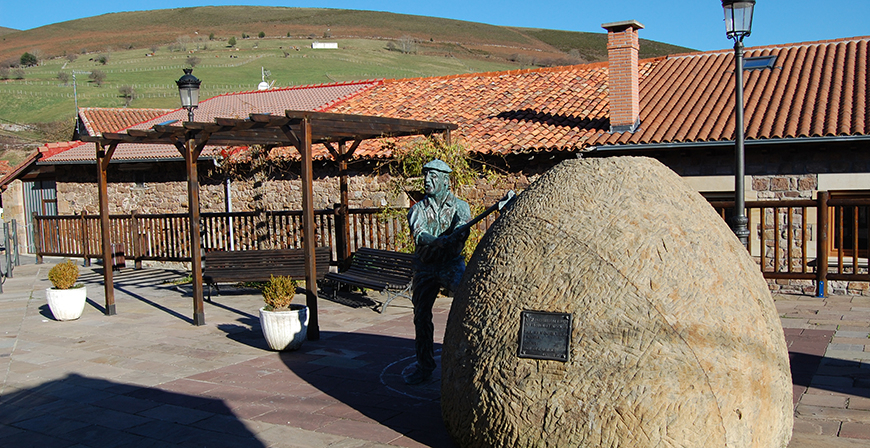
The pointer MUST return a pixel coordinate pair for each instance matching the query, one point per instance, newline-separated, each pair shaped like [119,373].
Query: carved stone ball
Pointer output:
[675,341]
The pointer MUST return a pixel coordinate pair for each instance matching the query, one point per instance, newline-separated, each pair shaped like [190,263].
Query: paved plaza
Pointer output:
[148,377]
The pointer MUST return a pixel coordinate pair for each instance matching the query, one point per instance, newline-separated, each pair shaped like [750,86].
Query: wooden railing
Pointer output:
[166,237]
[789,238]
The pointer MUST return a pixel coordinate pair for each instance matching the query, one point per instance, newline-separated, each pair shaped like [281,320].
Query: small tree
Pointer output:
[29,60]
[63,77]
[71,57]
[192,61]
[232,41]
[261,35]
[4,72]
[18,73]
[210,36]
[128,93]
[103,59]
[97,76]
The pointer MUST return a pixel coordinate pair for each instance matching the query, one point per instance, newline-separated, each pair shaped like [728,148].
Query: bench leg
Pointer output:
[392,295]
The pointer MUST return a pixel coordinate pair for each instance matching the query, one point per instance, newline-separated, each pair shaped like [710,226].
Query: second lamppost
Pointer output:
[738,24]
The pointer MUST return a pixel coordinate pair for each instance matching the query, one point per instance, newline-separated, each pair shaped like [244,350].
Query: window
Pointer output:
[848,225]
[759,62]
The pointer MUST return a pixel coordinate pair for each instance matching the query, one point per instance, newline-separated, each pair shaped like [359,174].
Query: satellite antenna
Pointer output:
[265,85]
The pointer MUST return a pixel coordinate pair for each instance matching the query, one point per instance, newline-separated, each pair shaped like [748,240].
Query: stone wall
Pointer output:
[163,189]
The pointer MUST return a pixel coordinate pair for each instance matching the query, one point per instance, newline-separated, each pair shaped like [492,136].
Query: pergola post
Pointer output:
[343,155]
[309,241]
[191,155]
[103,158]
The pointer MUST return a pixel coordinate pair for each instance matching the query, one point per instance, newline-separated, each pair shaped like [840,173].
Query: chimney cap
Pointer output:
[615,27]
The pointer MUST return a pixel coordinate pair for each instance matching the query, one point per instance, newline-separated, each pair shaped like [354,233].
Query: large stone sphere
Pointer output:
[675,341]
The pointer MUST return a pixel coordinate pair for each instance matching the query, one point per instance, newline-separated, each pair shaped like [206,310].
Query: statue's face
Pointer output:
[436,182]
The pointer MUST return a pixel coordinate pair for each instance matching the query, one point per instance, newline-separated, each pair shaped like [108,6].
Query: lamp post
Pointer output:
[738,24]
[188,89]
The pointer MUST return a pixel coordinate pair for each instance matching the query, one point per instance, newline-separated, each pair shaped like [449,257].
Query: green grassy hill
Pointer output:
[147,50]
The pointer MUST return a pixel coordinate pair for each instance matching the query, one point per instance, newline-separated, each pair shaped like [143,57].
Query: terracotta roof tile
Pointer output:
[232,105]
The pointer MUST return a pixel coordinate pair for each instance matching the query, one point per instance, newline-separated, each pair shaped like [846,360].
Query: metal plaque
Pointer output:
[545,335]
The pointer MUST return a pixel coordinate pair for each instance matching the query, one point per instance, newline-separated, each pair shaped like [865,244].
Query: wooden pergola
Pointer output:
[299,129]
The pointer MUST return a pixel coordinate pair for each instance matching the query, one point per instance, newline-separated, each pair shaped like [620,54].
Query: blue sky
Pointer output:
[695,24]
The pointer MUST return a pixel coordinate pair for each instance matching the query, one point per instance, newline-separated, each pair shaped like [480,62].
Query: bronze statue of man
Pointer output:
[438,260]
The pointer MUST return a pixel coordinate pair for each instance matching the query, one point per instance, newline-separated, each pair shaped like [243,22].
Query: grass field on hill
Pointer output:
[41,97]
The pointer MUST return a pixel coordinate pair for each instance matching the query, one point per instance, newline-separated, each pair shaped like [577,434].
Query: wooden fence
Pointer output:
[822,239]
[789,238]
[166,237]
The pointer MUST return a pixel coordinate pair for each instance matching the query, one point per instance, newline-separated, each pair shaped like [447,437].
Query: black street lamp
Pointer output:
[738,24]
[188,88]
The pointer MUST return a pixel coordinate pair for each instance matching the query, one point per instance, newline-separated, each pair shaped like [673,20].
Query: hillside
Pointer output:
[143,29]
[4,30]
[144,52]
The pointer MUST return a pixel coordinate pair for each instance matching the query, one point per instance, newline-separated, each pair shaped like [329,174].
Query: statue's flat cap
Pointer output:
[437,165]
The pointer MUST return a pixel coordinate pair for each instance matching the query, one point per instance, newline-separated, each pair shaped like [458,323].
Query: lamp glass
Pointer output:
[188,89]
[189,96]
[738,18]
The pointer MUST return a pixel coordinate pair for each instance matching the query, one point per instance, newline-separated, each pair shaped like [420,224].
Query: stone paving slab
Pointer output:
[148,377]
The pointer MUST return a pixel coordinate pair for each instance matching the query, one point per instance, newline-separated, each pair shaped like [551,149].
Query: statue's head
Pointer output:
[436,180]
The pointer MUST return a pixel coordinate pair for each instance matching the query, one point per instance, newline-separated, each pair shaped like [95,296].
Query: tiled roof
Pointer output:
[101,119]
[815,89]
[47,150]
[231,105]
[500,112]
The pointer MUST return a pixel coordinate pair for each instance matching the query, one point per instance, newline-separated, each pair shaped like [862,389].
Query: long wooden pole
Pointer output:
[191,154]
[344,229]
[309,241]
[103,158]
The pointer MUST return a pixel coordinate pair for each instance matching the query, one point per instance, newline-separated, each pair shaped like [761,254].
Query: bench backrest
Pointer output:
[262,263]
[383,263]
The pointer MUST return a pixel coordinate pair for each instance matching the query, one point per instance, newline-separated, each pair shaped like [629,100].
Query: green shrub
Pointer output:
[64,275]
[278,292]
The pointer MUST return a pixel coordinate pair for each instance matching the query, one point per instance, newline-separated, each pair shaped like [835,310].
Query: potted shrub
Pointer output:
[66,299]
[284,324]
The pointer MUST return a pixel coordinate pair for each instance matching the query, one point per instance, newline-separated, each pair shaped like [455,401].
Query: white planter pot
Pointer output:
[66,304]
[285,330]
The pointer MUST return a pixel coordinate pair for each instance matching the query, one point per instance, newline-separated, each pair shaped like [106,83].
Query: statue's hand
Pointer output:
[441,242]
[458,238]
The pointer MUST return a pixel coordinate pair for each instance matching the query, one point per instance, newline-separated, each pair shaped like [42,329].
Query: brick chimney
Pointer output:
[622,51]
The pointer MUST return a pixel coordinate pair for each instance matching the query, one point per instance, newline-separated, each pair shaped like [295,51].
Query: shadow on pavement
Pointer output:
[364,371]
[831,374]
[82,411]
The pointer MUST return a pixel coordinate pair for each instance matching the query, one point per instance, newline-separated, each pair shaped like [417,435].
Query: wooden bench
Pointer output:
[380,270]
[223,266]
